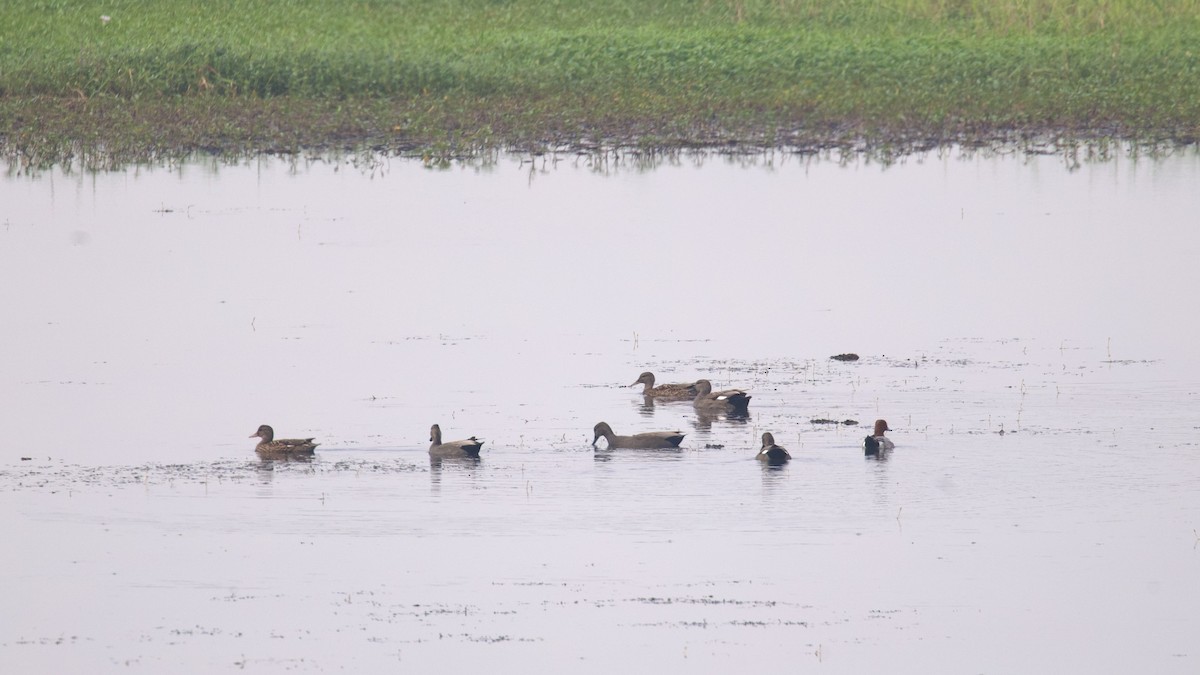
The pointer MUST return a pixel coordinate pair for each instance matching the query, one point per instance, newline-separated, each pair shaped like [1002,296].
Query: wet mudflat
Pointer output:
[1021,328]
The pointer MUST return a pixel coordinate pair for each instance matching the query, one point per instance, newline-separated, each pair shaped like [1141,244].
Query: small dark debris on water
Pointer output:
[714,446]
[822,420]
[848,356]
[26,459]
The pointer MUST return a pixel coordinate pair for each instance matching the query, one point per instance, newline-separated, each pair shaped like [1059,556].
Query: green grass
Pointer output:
[237,75]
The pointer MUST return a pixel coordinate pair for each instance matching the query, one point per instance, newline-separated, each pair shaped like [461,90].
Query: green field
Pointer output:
[237,76]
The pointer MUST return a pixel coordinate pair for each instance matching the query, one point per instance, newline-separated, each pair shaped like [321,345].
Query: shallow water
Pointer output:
[1025,329]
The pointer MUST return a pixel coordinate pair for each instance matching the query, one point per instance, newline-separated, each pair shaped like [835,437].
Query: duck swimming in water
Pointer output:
[284,448]
[770,452]
[665,392]
[877,443]
[649,440]
[465,448]
[729,400]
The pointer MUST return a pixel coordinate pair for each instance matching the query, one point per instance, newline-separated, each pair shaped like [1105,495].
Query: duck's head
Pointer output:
[646,378]
[265,432]
[435,434]
[768,439]
[602,429]
[880,427]
[703,387]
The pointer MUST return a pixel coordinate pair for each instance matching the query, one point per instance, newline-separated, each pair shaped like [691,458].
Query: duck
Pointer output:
[770,452]
[877,442]
[270,448]
[465,448]
[729,400]
[647,440]
[666,392]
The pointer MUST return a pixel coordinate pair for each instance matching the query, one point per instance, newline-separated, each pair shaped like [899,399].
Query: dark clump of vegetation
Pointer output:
[131,80]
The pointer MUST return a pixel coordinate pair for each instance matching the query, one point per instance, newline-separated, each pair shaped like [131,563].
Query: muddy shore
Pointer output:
[109,132]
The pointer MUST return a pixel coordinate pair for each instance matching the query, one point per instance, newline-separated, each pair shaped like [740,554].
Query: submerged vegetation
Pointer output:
[131,80]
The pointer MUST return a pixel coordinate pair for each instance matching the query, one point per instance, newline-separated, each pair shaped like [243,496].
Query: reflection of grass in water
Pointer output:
[233,75]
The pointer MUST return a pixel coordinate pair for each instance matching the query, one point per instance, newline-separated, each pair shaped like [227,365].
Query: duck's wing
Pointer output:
[870,445]
[680,391]
[673,438]
[470,446]
[734,397]
[285,447]
[774,453]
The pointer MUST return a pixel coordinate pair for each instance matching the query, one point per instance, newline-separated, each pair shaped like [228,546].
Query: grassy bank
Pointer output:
[237,76]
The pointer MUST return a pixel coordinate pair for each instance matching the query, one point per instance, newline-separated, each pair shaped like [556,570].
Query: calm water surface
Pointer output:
[1026,329]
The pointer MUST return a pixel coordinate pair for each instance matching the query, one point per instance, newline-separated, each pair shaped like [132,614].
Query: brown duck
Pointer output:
[729,400]
[284,448]
[647,440]
[666,392]
[877,443]
[465,448]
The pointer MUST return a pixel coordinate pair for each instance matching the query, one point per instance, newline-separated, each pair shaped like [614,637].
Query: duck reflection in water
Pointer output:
[466,463]
[439,464]
[266,467]
[267,464]
[645,407]
[705,418]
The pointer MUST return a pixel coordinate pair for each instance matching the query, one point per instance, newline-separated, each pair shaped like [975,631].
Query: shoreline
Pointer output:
[110,133]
